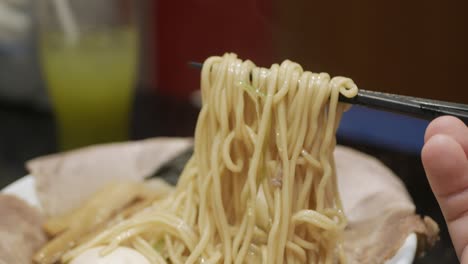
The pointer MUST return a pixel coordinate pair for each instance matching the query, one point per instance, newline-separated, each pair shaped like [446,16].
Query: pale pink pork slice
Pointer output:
[65,180]
[21,232]
[379,209]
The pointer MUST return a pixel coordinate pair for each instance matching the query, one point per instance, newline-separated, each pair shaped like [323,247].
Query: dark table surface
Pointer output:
[26,133]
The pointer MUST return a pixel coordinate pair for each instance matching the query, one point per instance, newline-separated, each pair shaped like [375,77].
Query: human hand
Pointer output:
[445,160]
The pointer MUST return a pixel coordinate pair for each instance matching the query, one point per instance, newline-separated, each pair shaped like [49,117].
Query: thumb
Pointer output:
[446,166]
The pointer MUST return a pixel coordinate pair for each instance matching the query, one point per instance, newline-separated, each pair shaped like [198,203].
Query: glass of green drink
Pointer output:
[88,54]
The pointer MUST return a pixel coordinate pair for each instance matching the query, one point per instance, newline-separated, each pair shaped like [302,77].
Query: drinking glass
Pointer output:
[88,53]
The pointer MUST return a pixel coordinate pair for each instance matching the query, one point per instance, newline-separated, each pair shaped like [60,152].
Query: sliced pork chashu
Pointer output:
[380,212]
[21,233]
[65,180]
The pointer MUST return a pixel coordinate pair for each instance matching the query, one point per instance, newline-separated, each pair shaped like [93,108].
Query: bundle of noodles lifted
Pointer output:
[260,187]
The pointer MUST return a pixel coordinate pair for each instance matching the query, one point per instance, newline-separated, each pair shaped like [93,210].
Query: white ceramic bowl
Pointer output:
[24,188]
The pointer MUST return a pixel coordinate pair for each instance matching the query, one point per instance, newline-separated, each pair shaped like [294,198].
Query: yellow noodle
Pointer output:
[261,184]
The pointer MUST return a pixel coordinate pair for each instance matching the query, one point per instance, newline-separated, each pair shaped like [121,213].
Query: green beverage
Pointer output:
[90,84]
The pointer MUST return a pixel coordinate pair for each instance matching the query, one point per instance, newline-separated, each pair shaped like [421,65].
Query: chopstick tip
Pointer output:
[194,64]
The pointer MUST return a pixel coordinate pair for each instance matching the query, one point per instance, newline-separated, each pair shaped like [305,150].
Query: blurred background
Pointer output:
[74,73]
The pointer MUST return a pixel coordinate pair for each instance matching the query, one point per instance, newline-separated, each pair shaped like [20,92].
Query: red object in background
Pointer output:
[193,30]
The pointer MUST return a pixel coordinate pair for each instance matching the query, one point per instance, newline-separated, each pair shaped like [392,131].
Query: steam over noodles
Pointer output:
[261,184]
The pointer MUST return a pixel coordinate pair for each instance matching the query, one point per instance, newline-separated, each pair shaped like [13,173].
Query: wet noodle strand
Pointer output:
[261,184]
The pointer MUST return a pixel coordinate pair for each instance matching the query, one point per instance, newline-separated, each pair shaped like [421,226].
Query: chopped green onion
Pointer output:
[159,246]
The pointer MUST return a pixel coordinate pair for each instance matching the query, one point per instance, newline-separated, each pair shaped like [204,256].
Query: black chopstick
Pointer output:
[423,108]
[413,106]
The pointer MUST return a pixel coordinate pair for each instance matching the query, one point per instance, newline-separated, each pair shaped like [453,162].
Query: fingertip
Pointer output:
[442,156]
[443,125]
[446,168]
[430,152]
